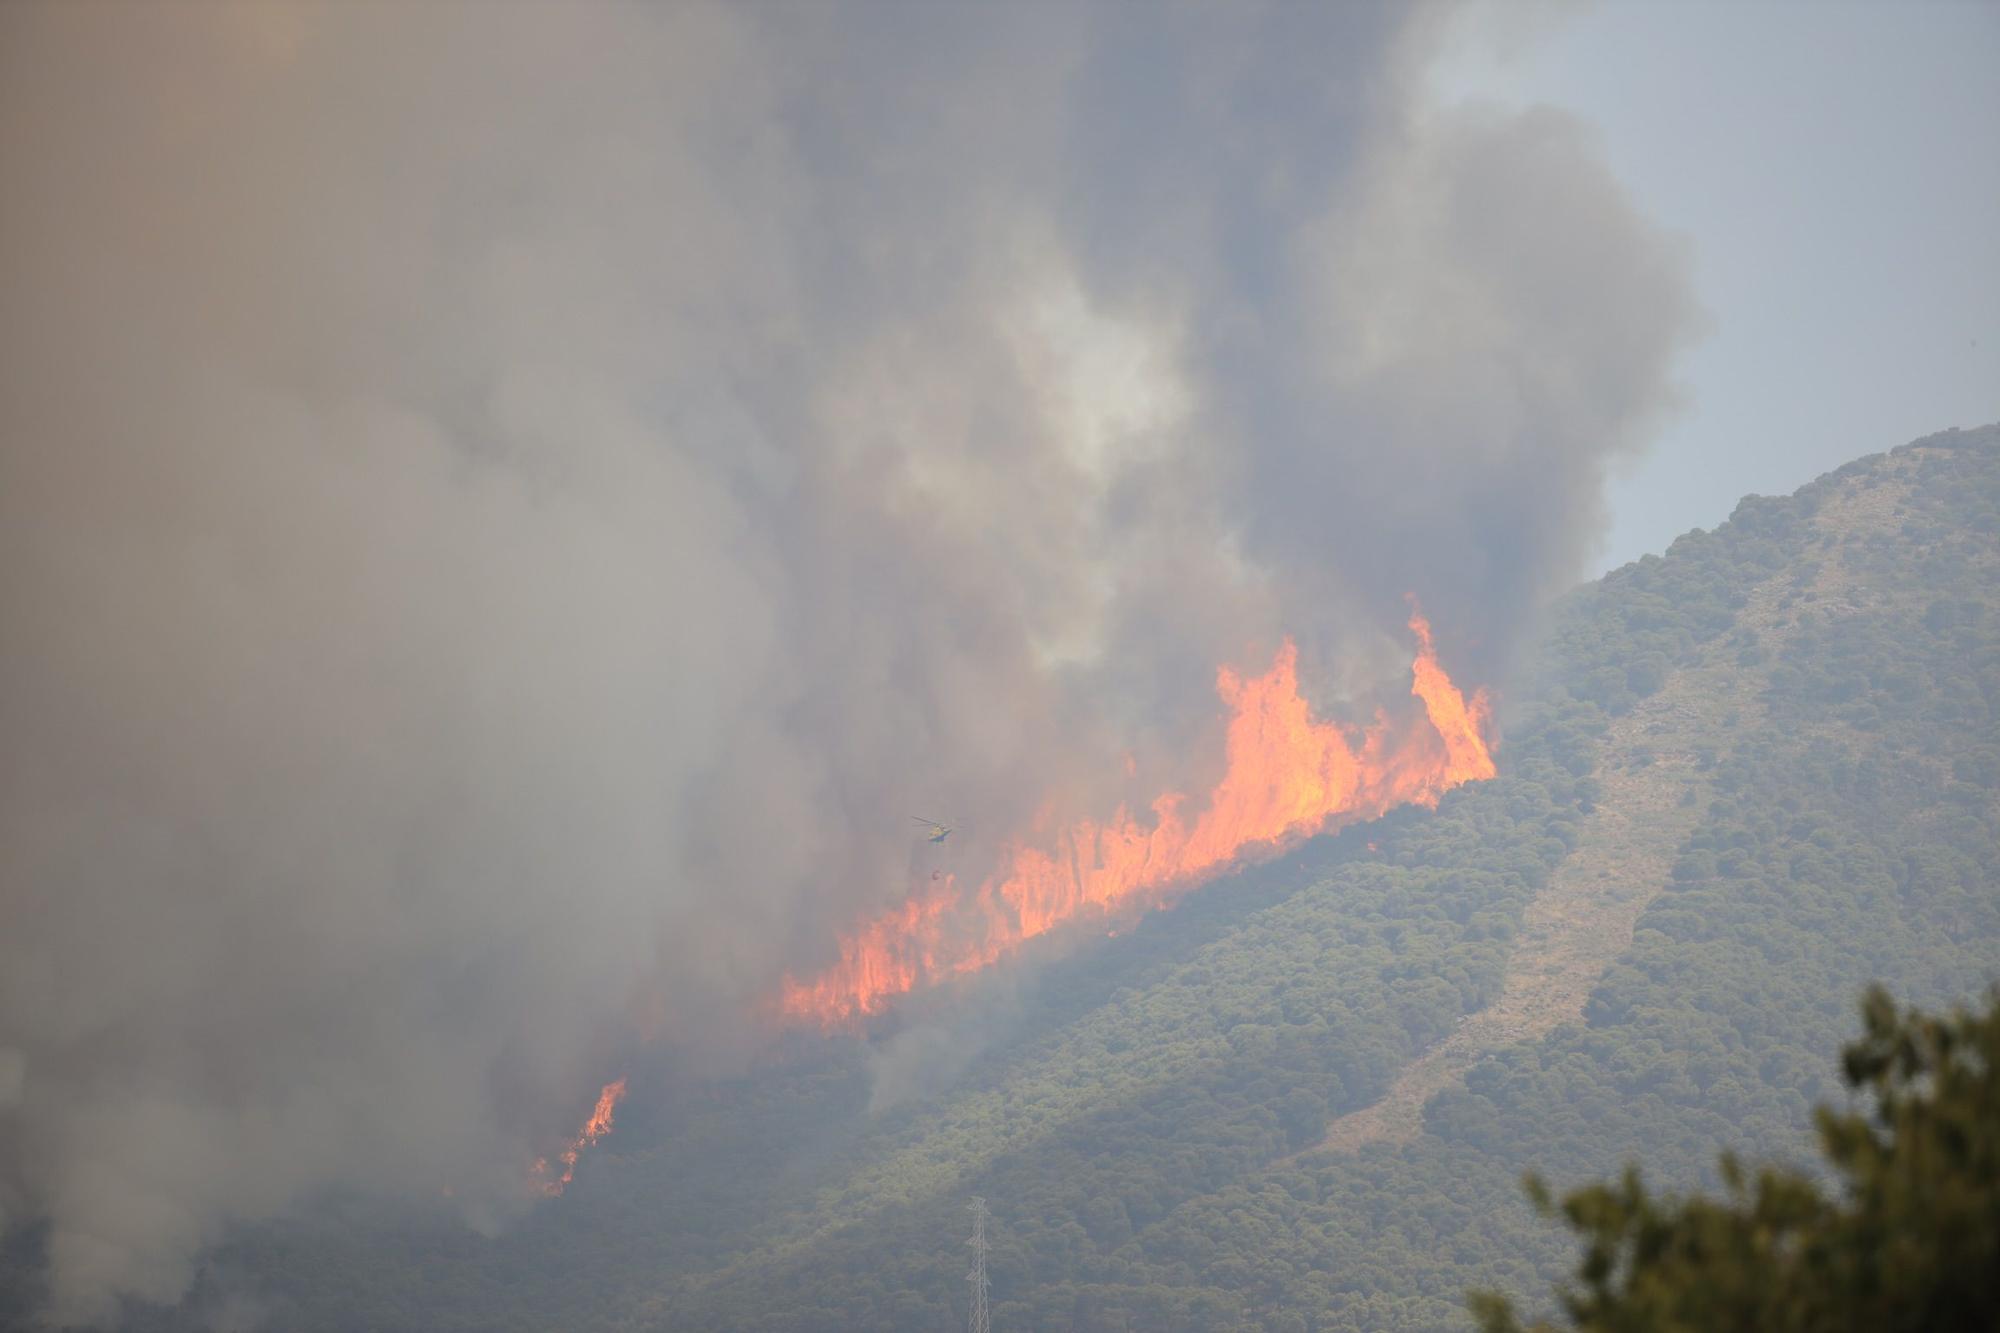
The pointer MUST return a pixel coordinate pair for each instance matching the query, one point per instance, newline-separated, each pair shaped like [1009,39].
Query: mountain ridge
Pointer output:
[1572,933]
[1775,744]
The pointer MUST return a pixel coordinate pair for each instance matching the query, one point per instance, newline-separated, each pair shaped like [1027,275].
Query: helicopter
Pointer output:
[936,832]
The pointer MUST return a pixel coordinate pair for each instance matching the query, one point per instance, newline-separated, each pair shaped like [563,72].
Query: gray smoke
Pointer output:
[505,511]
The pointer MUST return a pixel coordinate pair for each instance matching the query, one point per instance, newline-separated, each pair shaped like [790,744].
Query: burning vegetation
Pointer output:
[546,1178]
[1288,776]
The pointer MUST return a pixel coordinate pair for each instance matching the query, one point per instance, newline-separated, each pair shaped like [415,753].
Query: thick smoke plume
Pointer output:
[506,511]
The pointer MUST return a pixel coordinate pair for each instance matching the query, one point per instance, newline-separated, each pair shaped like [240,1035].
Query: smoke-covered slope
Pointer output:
[1754,773]
[507,510]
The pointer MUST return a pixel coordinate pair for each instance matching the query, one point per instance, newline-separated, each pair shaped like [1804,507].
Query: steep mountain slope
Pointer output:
[1749,776]
[1759,772]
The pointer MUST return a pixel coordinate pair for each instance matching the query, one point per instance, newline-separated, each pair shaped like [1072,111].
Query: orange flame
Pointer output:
[593,1129]
[1287,777]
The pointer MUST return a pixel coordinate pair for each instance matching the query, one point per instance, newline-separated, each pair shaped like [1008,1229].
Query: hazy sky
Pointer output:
[1834,167]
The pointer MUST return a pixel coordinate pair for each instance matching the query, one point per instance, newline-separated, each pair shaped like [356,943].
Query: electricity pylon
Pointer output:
[977,1277]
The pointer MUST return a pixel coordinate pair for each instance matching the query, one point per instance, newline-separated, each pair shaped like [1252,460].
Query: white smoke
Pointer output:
[505,511]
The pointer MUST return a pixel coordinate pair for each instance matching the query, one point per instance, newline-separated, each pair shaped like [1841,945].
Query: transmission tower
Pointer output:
[976,1279]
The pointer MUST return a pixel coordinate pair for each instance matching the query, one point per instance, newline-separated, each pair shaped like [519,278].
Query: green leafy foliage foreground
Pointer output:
[1911,1241]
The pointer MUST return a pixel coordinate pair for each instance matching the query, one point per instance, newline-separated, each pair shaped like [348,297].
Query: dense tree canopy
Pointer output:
[1909,1241]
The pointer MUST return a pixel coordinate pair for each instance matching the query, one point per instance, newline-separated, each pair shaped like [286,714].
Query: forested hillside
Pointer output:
[1746,778]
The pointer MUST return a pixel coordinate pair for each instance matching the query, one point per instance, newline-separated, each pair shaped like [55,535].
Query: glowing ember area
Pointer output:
[593,1129]
[1287,777]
